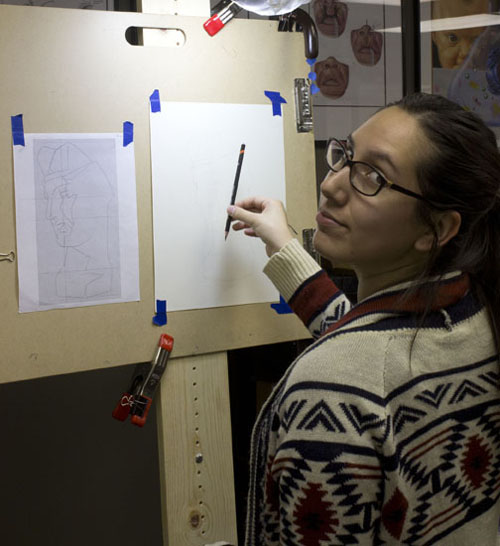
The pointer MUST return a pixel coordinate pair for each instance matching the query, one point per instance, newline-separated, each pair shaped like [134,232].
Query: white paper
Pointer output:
[76,218]
[194,151]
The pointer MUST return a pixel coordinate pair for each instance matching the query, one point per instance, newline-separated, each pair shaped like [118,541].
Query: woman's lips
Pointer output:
[325,219]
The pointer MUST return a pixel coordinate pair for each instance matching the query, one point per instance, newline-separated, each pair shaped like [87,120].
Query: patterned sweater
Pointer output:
[379,433]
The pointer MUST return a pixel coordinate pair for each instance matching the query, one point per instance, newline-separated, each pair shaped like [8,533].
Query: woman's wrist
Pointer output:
[278,244]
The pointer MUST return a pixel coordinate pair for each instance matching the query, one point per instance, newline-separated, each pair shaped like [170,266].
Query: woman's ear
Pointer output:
[446,225]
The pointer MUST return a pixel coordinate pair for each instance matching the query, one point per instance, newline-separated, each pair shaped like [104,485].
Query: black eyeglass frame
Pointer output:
[387,183]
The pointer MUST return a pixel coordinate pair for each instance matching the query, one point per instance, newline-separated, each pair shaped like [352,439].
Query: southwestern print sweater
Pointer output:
[381,432]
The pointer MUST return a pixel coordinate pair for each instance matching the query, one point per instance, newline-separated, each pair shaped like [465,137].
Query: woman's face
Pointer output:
[375,234]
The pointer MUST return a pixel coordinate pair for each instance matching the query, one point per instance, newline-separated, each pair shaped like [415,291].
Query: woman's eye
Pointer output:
[452,38]
[376,178]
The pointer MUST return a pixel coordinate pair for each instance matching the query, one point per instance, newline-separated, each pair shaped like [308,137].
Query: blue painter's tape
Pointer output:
[314,89]
[160,318]
[17,130]
[312,76]
[154,99]
[128,133]
[310,62]
[277,100]
[282,308]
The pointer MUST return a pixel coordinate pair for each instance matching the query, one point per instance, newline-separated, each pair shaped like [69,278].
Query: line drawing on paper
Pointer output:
[221,261]
[77,223]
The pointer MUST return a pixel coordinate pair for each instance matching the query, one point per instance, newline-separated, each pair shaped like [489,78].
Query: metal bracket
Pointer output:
[303,23]
[307,238]
[303,107]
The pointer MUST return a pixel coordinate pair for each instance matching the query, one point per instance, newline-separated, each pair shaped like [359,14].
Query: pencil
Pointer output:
[235,188]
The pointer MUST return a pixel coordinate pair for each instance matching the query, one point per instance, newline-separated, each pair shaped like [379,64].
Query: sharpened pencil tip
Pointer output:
[226,233]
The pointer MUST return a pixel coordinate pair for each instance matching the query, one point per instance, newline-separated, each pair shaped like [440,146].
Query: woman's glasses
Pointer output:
[364,178]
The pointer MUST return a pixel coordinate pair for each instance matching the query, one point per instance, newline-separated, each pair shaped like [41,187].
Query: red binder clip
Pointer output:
[145,380]
[222,13]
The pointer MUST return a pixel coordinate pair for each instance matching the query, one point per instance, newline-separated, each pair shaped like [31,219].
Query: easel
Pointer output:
[111,83]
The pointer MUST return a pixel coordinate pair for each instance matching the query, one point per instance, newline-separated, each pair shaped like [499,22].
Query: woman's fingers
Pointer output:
[243,215]
[264,218]
[239,226]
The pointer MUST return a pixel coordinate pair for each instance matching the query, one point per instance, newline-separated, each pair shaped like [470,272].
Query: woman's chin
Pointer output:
[322,244]
[327,248]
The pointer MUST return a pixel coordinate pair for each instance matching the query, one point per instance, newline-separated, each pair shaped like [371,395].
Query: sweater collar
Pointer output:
[449,289]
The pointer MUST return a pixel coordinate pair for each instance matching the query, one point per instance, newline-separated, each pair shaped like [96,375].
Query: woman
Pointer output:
[386,430]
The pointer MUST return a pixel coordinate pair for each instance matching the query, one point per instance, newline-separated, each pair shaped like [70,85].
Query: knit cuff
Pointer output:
[290,267]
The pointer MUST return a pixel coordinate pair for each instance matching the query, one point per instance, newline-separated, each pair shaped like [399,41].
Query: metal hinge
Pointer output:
[303,107]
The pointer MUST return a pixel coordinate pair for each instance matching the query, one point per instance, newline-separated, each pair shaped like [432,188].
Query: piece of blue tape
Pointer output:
[128,133]
[314,89]
[310,62]
[17,130]
[277,100]
[312,76]
[154,99]
[282,308]
[160,318]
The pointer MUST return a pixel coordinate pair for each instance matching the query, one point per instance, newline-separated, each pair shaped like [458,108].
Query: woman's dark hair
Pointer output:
[460,170]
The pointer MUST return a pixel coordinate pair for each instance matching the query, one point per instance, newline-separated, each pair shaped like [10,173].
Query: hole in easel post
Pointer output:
[155,37]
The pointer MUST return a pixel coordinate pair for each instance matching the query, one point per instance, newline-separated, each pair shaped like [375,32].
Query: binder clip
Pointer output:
[136,401]
[222,13]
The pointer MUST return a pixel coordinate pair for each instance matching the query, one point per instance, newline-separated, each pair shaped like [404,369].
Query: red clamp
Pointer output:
[136,401]
[222,13]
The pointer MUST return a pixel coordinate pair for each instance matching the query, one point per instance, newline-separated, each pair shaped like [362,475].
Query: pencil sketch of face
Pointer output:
[331,17]
[333,77]
[81,207]
[77,194]
[367,45]
[60,202]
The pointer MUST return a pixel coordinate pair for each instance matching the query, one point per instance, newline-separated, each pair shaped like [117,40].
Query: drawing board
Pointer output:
[111,82]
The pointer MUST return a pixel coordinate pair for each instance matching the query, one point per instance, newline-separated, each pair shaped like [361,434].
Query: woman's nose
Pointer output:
[336,186]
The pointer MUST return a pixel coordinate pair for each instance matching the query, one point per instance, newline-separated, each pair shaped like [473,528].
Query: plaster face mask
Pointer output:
[333,77]
[270,7]
[367,45]
[330,17]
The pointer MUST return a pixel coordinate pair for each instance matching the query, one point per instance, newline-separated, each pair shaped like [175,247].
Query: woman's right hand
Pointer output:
[264,218]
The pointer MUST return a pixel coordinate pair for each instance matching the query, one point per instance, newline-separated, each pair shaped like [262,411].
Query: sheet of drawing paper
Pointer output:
[76,221]
[194,151]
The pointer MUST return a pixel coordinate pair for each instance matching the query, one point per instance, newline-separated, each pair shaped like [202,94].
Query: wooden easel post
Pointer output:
[196,464]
